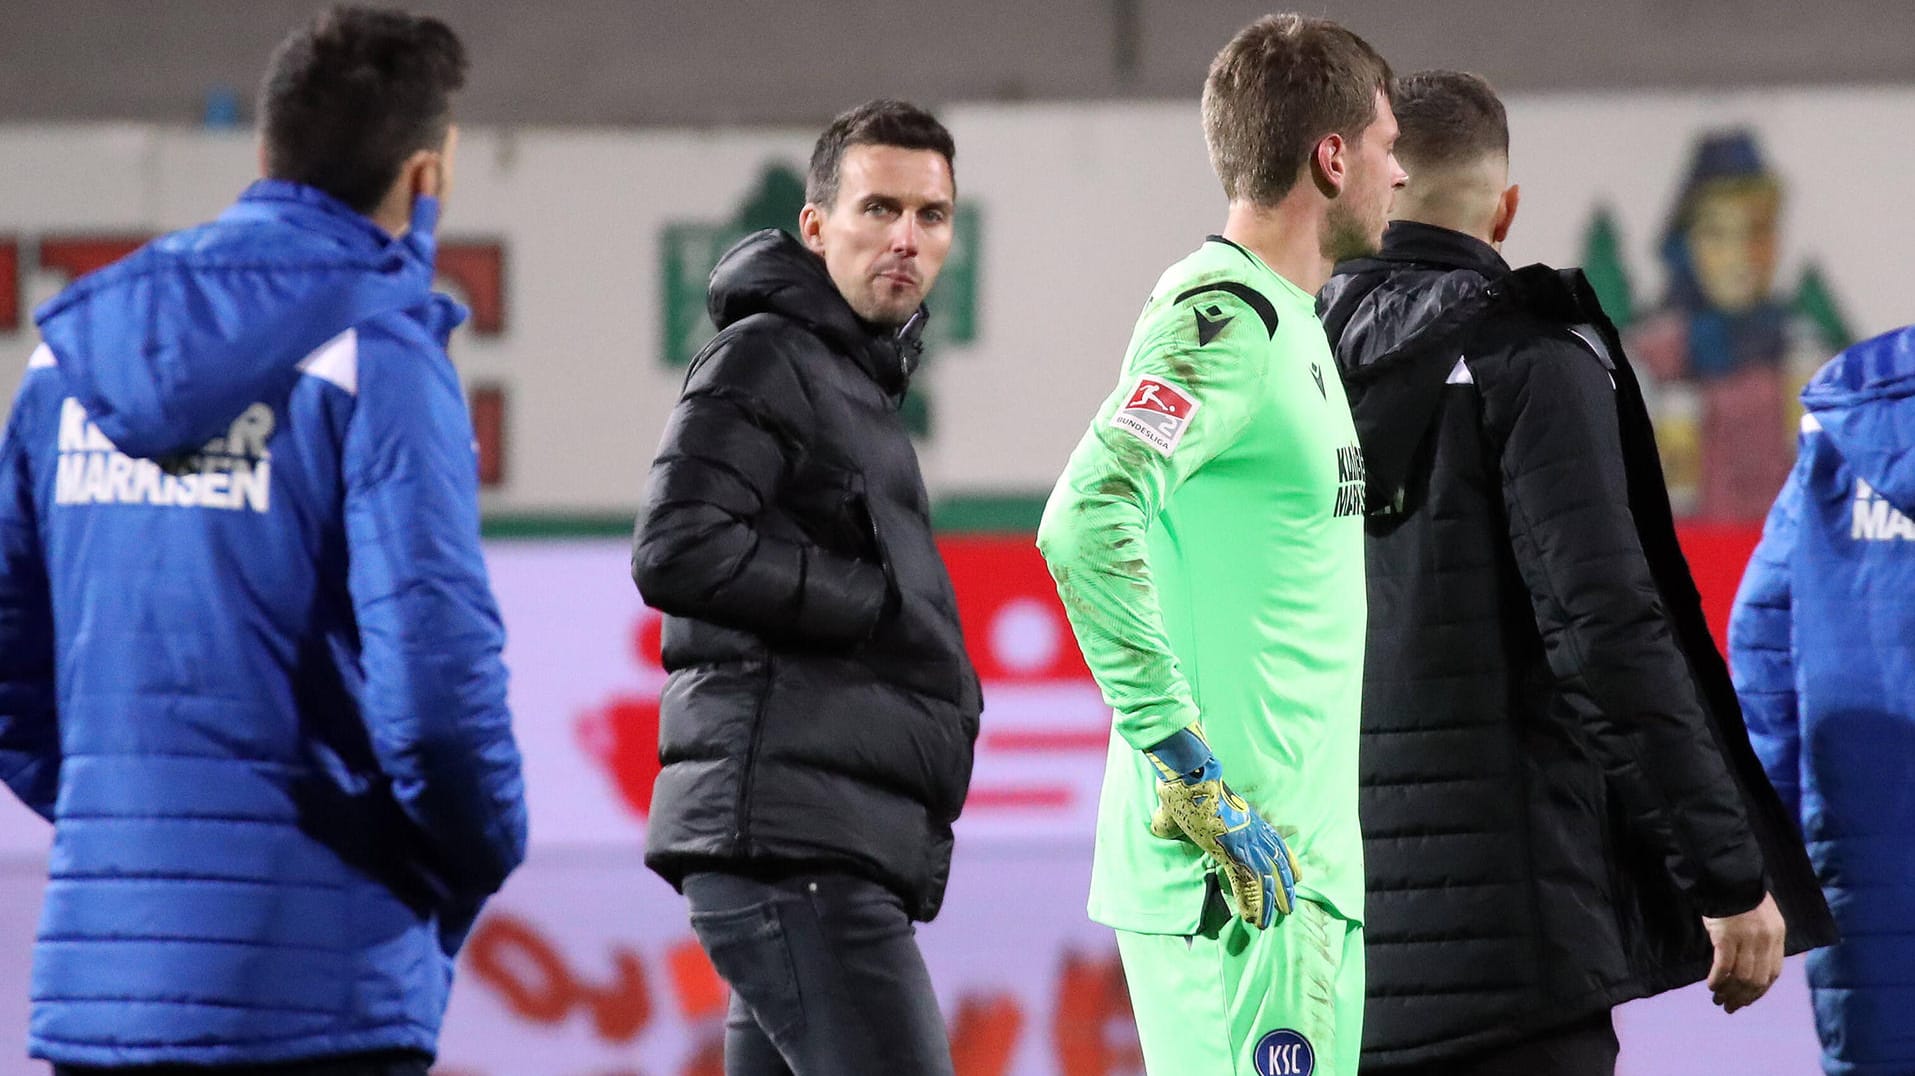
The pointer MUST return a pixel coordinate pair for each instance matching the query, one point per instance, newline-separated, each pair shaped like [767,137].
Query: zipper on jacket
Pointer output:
[742,831]
[908,345]
[861,504]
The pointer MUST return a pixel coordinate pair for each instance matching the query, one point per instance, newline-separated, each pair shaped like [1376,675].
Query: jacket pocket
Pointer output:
[828,507]
[918,643]
[869,537]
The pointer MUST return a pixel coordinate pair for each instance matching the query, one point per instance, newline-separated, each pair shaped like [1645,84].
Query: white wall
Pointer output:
[1081,205]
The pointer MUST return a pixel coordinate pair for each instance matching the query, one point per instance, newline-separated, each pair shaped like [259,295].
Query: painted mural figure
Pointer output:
[1727,352]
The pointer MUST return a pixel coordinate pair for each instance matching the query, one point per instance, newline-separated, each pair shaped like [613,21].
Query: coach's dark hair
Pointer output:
[1276,90]
[1449,118]
[348,97]
[883,122]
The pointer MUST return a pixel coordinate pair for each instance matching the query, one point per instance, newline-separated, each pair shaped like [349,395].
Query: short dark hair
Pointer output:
[1281,85]
[883,122]
[348,97]
[1449,118]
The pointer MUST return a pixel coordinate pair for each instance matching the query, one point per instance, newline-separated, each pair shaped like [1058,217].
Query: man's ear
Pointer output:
[1505,214]
[1330,165]
[424,174]
[811,222]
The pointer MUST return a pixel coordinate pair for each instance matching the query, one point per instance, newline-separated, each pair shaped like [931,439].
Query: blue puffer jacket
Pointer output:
[249,657]
[1823,644]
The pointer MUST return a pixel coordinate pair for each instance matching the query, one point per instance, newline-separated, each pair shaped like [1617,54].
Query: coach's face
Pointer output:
[885,237]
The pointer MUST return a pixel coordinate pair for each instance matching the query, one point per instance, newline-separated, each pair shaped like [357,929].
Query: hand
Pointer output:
[1748,954]
[1194,803]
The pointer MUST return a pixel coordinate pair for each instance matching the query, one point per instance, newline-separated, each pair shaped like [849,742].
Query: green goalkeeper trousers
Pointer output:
[1235,1001]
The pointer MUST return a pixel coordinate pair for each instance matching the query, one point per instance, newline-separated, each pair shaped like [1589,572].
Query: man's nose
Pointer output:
[904,235]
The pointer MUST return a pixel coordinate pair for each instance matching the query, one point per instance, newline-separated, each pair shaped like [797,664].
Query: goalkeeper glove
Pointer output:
[1194,803]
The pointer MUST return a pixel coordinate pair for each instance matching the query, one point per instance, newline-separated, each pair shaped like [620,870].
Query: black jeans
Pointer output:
[1585,1048]
[825,974]
[384,1063]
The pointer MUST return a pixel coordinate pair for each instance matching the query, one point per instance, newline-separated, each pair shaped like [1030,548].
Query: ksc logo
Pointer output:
[1284,1053]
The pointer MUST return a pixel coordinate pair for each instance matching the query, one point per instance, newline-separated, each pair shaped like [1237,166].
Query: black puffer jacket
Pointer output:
[1555,781]
[821,711]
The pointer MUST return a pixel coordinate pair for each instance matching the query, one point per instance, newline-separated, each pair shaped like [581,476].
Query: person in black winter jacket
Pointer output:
[818,727]
[1561,810]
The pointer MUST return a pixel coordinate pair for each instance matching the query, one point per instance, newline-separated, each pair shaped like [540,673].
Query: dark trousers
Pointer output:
[1585,1048]
[384,1063]
[825,974]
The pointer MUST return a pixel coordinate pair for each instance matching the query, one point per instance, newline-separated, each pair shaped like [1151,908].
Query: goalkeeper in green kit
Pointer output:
[1207,540]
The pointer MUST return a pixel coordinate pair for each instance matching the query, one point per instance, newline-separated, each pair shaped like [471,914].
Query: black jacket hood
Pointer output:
[1374,306]
[771,272]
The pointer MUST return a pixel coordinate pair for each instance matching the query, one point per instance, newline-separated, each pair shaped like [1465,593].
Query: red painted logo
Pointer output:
[621,735]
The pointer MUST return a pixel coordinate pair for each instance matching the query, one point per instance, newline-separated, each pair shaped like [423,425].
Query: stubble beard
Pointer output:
[1352,230]
[884,315]
[1351,233]
[887,313]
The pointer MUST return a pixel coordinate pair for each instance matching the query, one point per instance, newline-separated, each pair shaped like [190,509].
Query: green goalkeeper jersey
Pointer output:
[1207,541]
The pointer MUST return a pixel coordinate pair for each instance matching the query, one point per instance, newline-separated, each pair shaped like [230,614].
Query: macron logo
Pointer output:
[1876,520]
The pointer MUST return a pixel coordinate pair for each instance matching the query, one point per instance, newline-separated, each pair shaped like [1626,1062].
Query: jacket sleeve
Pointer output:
[1094,533]
[1762,645]
[435,686]
[29,729]
[701,550]
[1607,637]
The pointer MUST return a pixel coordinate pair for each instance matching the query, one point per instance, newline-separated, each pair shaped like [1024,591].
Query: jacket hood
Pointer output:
[1865,401]
[1375,306]
[167,346]
[771,272]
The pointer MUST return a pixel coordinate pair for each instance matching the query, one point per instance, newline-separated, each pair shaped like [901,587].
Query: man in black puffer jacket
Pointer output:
[1561,810]
[818,726]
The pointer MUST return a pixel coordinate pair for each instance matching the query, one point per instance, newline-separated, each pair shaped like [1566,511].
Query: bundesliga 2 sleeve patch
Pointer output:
[1157,413]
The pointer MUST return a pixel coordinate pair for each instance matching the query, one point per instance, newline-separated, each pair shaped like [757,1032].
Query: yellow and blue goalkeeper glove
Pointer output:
[1194,803]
